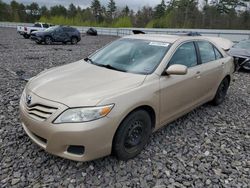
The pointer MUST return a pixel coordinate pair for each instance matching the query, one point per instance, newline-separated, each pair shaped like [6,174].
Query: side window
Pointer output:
[206,51]
[58,30]
[185,55]
[218,55]
[37,25]
[45,25]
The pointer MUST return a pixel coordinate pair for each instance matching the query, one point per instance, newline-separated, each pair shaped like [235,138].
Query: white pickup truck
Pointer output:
[26,30]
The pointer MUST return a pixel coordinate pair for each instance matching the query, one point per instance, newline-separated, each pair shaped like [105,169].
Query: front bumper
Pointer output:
[95,136]
[36,38]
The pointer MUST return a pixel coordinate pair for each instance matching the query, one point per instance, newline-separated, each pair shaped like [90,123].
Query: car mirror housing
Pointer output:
[176,69]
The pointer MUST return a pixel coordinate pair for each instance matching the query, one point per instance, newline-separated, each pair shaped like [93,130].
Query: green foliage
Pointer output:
[160,9]
[219,14]
[123,22]
[111,9]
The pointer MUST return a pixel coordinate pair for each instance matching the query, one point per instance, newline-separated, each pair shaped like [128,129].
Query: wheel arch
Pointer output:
[49,37]
[74,36]
[148,109]
[228,77]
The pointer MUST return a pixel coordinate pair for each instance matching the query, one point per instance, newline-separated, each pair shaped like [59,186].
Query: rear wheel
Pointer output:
[132,135]
[221,92]
[26,36]
[74,40]
[48,40]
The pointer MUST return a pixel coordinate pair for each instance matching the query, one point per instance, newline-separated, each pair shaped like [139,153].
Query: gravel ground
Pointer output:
[209,147]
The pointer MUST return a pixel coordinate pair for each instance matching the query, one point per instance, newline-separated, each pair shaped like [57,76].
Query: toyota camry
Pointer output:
[113,100]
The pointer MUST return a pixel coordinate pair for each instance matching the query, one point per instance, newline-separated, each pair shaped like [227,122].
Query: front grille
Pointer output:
[40,112]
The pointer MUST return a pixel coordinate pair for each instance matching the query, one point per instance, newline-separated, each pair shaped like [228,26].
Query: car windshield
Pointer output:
[243,45]
[51,28]
[131,55]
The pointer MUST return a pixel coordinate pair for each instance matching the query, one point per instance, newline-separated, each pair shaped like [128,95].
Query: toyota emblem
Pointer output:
[28,99]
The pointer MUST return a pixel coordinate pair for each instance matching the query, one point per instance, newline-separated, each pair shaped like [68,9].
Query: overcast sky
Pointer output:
[134,4]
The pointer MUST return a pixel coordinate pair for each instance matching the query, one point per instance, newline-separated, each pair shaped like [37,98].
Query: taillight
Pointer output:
[25,28]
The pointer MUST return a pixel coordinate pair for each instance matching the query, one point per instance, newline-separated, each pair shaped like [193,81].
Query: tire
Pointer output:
[26,36]
[38,42]
[74,40]
[48,40]
[132,135]
[221,92]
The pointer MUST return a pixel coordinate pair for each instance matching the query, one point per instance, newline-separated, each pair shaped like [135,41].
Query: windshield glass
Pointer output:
[51,28]
[243,44]
[131,55]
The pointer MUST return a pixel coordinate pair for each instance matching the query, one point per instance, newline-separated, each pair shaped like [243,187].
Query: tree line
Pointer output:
[210,14]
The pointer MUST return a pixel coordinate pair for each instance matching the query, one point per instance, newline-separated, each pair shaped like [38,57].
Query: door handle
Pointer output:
[223,63]
[198,76]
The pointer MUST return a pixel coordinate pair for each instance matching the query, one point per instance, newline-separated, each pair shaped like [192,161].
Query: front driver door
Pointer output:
[180,93]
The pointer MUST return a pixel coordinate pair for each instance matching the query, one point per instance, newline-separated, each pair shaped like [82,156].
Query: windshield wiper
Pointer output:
[90,60]
[108,66]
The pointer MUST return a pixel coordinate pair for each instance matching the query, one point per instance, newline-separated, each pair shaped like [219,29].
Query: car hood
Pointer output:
[238,52]
[82,84]
[39,33]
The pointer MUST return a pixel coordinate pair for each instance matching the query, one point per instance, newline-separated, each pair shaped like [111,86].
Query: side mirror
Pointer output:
[177,69]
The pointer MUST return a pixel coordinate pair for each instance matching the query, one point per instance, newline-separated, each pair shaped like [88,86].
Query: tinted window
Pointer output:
[58,30]
[45,25]
[206,51]
[68,29]
[185,55]
[37,25]
[218,55]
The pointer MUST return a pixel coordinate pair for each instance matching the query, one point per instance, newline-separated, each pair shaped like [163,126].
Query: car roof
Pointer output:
[154,37]
[164,37]
[225,44]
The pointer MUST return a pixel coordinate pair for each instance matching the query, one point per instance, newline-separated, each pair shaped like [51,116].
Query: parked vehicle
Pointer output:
[241,53]
[26,31]
[92,32]
[62,34]
[113,100]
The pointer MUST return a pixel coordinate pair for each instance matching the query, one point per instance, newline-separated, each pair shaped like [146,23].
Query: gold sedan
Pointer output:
[112,101]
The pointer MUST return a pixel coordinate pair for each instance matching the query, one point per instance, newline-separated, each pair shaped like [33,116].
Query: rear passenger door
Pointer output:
[211,69]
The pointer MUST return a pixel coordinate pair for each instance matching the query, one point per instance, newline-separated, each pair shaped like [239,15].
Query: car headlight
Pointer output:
[77,115]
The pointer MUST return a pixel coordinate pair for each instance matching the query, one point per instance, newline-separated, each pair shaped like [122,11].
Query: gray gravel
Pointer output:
[209,147]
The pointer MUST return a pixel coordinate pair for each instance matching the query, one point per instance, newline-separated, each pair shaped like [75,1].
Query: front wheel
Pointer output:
[26,36]
[132,135]
[48,40]
[74,40]
[221,92]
